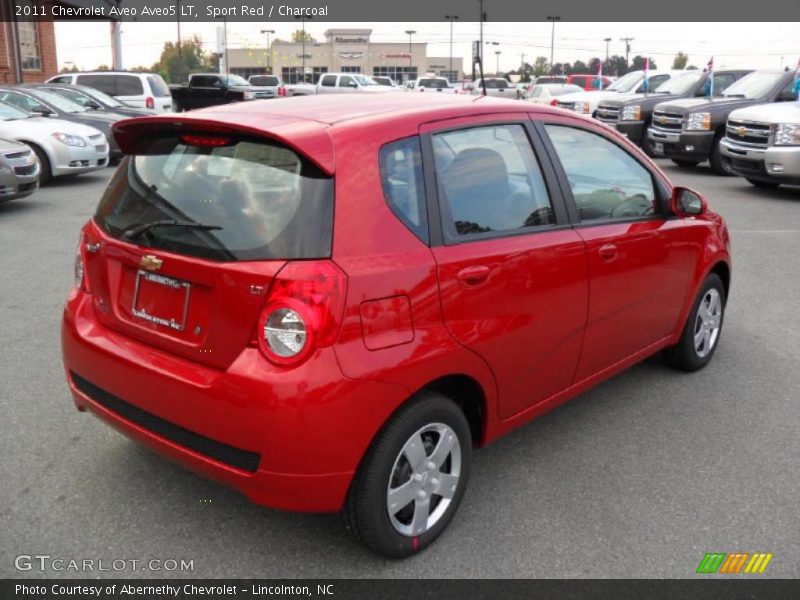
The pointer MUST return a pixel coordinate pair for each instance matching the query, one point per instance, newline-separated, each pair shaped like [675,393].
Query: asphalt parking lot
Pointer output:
[637,478]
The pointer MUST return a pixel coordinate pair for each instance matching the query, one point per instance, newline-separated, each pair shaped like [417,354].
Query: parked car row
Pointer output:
[742,122]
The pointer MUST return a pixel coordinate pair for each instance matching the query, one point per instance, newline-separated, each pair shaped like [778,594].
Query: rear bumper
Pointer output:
[288,439]
[686,145]
[778,164]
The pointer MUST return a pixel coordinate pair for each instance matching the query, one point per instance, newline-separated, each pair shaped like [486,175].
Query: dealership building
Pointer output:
[27,48]
[346,51]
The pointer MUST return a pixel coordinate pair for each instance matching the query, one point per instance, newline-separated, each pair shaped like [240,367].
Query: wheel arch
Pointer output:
[468,394]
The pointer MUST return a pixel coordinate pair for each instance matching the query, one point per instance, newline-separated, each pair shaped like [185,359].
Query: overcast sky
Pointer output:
[755,45]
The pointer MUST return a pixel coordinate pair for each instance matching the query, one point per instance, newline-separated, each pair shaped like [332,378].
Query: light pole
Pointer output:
[552,37]
[451,18]
[269,49]
[497,65]
[303,18]
[409,32]
[627,41]
[178,21]
[607,41]
[481,19]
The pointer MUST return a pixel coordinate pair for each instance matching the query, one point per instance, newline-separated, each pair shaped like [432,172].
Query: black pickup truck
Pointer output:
[212,89]
[631,114]
[689,131]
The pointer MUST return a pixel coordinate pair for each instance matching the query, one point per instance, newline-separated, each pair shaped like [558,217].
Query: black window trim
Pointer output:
[436,210]
[662,194]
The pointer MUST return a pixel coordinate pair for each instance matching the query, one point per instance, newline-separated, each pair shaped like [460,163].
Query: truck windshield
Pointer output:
[497,84]
[626,83]
[235,80]
[363,79]
[434,83]
[755,86]
[680,84]
[242,199]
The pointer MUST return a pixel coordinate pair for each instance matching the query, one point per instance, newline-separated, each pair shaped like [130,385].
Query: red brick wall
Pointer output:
[47,51]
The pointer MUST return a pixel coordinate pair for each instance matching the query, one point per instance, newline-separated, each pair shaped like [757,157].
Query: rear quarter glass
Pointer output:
[267,201]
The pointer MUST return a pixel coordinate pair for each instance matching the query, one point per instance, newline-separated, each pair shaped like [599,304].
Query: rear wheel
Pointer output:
[685,163]
[411,481]
[702,330]
[762,184]
[45,171]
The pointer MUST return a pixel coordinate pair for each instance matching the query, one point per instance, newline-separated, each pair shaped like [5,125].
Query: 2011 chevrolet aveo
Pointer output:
[327,304]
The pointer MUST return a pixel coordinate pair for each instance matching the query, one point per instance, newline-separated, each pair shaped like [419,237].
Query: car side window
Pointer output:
[651,83]
[722,81]
[62,79]
[129,85]
[490,181]
[403,185]
[606,182]
[24,102]
[328,81]
[345,81]
[104,83]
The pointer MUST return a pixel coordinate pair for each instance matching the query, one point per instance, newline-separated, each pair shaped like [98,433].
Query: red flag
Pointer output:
[710,65]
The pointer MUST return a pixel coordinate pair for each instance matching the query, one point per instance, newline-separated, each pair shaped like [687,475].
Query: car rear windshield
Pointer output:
[159,88]
[259,200]
[496,84]
[434,83]
[264,80]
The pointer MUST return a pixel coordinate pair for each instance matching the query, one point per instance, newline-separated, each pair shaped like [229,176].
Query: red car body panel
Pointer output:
[527,342]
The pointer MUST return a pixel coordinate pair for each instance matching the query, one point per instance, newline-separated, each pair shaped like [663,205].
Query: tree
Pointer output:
[70,69]
[637,64]
[680,60]
[540,66]
[593,64]
[616,66]
[298,36]
[691,68]
[102,68]
[579,67]
[175,67]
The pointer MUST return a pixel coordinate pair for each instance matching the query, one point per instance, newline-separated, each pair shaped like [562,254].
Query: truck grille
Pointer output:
[746,133]
[567,105]
[608,114]
[670,122]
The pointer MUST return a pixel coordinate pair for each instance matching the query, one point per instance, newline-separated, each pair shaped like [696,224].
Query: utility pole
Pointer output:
[451,18]
[481,19]
[178,21]
[497,64]
[552,37]
[627,41]
[409,32]
[607,41]
[116,45]
[269,49]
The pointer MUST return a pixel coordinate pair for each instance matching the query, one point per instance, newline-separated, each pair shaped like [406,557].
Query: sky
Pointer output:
[763,45]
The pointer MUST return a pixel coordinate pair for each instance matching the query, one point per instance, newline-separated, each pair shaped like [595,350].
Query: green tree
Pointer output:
[175,66]
[637,64]
[615,65]
[579,67]
[299,34]
[680,60]
[540,66]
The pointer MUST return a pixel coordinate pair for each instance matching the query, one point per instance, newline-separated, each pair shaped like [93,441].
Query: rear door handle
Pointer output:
[473,275]
[608,252]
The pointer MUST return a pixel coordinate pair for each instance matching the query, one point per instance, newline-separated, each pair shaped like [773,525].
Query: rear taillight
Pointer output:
[150,102]
[281,91]
[553,102]
[81,281]
[303,312]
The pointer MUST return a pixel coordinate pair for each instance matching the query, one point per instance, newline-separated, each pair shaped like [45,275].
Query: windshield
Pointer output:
[626,83]
[496,84]
[363,79]
[11,113]
[235,80]
[754,86]
[439,84]
[98,95]
[680,84]
[60,102]
[267,201]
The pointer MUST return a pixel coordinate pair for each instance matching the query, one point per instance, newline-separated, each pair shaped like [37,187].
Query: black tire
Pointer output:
[718,164]
[365,513]
[176,106]
[685,163]
[762,184]
[684,356]
[646,144]
[45,171]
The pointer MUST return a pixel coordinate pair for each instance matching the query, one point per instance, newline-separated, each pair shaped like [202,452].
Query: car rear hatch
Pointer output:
[231,207]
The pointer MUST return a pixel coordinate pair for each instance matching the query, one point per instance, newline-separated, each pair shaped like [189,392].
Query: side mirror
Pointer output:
[42,110]
[91,104]
[686,203]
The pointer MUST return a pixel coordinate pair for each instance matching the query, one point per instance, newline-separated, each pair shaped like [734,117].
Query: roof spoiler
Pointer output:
[305,137]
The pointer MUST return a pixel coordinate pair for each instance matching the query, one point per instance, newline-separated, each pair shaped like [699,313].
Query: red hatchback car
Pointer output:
[328,304]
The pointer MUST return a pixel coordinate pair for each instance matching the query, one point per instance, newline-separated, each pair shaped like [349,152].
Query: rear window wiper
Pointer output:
[134,231]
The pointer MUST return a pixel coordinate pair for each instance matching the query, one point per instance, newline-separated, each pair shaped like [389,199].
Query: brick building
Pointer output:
[27,48]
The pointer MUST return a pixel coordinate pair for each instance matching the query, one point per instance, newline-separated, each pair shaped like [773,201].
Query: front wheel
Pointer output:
[411,481]
[717,162]
[702,330]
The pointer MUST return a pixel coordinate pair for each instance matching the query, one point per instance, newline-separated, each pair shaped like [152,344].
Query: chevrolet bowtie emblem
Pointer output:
[662,119]
[741,131]
[151,263]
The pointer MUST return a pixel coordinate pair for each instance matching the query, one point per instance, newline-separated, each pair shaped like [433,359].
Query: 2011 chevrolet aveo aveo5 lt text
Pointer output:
[328,304]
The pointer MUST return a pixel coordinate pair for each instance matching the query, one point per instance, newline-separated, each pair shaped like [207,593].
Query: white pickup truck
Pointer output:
[432,84]
[762,144]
